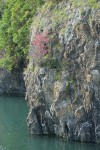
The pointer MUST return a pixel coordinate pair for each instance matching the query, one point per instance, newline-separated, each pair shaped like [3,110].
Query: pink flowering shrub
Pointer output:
[41,44]
[41,53]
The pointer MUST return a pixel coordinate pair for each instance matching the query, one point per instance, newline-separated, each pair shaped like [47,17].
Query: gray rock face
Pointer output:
[11,83]
[66,102]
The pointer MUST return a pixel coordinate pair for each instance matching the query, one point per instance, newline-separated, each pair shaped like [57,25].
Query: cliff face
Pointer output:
[11,83]
[63,91]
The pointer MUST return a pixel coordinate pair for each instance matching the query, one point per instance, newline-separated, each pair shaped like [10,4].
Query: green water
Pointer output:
[14,134]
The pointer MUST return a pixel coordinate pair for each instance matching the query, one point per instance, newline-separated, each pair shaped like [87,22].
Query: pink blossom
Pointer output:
[41,42]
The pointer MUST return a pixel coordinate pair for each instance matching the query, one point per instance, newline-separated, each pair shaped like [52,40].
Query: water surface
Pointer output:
[14,134]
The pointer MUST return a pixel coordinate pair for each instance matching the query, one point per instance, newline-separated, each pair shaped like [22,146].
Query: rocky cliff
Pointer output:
[11,83]
[63,87]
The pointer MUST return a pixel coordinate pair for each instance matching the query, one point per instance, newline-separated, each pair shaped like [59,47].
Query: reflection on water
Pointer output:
[3,148]
[14,134]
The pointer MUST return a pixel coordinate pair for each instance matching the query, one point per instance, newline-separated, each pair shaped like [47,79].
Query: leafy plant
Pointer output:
[50,62]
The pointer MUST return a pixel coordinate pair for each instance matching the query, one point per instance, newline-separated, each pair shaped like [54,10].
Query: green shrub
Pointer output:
[50,62]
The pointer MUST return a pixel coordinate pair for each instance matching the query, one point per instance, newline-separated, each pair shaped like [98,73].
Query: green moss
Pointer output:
[57,76]
[63,63]
[84,3]
[62,30]
[95,6]
[69,109]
